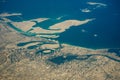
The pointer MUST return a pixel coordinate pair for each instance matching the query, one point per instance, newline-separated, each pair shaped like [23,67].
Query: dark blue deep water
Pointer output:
[106,24]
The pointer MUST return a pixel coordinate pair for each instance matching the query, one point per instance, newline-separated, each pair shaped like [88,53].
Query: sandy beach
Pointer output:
[68,23]
[27,25]
[40,19]
[60,27]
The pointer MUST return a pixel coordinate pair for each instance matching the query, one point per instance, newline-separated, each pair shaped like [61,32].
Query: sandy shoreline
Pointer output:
[60,27]
[27,26]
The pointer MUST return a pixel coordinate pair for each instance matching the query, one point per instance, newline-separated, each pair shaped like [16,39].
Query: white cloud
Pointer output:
[95,35]
[8,14]
[59,17]
[83,30]
[85,10]
[97,4]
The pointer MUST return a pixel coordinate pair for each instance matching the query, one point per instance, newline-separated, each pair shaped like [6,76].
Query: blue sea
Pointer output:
[103,32]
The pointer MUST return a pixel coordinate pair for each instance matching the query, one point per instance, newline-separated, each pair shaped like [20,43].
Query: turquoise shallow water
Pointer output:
[106,25]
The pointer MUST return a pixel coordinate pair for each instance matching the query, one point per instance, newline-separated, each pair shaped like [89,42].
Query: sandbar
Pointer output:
[40,19]
[25,25]
[60,27]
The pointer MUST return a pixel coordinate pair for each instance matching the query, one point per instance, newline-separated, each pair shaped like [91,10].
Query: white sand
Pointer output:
[40,19]
[25,25]
[48,36]
[43,31]
[50,46]
[8,14]
[54,29]
[68,23]
[58,28]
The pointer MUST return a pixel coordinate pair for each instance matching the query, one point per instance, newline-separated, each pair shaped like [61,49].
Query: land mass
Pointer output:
[37,58]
